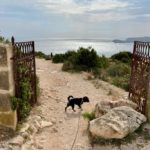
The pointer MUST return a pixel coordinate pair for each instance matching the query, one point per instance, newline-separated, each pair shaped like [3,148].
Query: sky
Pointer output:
[102,19]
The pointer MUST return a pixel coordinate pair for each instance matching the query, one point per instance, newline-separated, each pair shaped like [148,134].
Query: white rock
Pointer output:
[25,127]
[117,123]
[25,135]
[45,124]
[147,147]
[104,106]
[17,141]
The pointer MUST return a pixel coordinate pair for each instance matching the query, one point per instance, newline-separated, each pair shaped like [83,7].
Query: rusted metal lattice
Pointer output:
[139,74]
[24,67]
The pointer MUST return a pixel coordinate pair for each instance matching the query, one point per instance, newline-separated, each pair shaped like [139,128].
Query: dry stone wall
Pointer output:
[8,117]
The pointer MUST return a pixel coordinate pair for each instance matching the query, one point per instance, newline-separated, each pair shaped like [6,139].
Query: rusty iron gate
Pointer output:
[139,74]
[24,57]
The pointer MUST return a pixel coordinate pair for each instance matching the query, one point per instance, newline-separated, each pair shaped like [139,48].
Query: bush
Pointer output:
[89,116]
[40,54]
[103,62]
[3,40]
[124,57]
[87,58]
[122,82]
[58,58]
[119,69]
[84,59]
[61,58]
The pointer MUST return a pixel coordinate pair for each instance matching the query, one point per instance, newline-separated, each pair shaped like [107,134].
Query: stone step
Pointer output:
[4,80]
[8,119]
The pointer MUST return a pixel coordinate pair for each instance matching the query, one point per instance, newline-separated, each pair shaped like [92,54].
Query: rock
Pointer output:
[103,107]
[37,124]
[45,124]
[25,135]
[54,130]
[117,123]
[25,127]
[53,120]
[40,147]
[147,147]
[17,141]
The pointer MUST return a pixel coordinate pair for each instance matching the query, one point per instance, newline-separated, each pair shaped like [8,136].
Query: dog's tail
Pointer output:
[70,97]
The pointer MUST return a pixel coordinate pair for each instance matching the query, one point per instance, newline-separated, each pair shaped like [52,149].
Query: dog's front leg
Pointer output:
[73,108]
[80,107]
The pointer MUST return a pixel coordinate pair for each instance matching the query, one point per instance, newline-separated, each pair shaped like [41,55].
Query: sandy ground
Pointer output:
[56,86]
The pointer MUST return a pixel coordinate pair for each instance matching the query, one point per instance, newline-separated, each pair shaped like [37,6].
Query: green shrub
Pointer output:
[22,104]
[61,58]
[124,57]
[119,69]
[103,62]
[122,82]
[40,54]
[89,116]
[87,58]
[3,40]
[58,58]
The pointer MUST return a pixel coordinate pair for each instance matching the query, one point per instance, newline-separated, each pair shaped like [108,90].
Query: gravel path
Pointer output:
[56,86]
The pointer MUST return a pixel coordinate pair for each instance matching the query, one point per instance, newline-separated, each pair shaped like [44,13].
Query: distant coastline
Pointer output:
[132,39]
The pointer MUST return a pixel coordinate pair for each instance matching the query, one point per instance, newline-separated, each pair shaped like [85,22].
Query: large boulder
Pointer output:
[117,123]
[103,107]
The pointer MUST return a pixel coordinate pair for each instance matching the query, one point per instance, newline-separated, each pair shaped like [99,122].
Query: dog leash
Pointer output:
[76,132]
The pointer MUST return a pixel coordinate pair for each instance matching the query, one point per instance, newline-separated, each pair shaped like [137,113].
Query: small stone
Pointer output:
[25,127]
[45,124]
[40,147]
[17,141]
[25,135]
[37,124]
[53,120]
[60,121]
[55,130]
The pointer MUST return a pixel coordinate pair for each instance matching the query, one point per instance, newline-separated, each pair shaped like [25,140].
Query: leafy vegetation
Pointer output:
[124,57]
[22,104]
[115,70]
[89,116]
[61,58]
[3,40]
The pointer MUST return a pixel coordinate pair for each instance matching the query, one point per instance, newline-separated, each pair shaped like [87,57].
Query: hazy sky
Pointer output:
[36,19]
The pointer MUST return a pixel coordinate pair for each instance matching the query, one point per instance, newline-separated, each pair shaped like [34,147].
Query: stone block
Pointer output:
[5,104]
[3,56]
[8,119]
[4,80]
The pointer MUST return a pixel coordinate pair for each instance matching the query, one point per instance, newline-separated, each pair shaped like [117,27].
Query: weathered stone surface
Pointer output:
[17,141]
[147,147]
[8,119]
[3,56]
[4,80]
[5,102]
[117,123]
[103,107]
[45,124]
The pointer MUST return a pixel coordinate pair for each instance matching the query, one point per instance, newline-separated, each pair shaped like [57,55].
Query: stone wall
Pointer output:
[8,117]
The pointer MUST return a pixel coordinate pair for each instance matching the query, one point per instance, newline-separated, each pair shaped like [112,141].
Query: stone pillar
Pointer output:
[8,118]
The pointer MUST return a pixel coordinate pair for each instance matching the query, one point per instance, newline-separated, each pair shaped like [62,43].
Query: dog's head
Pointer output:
[86,99]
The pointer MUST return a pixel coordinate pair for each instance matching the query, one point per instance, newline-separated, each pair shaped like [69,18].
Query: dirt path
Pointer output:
[56,86]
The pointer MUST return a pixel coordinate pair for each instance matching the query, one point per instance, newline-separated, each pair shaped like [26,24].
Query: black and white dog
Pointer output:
[76,101]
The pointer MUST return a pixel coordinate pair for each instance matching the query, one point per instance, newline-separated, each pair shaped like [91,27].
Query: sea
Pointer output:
[56,46]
